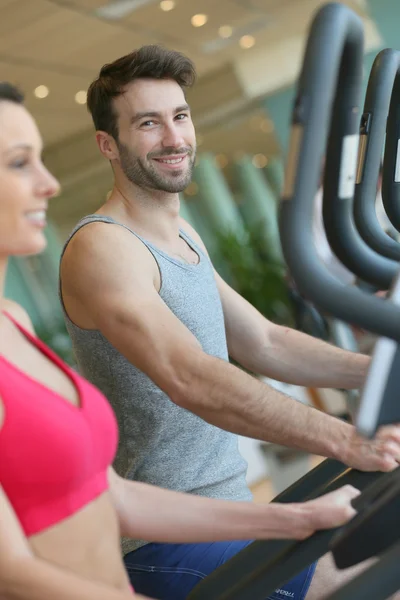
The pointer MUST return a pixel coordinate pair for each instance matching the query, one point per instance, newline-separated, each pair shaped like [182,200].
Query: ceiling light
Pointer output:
[41,91]
[247,41]
[80,97]
[225,31]
[192,189]
[199,20]
[260,161]
[167,5]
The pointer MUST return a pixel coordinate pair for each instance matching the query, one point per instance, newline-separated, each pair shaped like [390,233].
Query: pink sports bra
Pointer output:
[54,456]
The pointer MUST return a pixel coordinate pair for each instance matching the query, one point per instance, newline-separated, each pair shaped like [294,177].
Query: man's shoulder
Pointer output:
[105,255]
[102,239]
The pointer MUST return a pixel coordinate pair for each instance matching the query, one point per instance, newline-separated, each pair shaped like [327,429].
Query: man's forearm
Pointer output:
[300,359]
[229,398]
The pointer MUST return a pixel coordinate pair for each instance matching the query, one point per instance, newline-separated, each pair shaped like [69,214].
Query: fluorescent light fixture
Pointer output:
[121,8]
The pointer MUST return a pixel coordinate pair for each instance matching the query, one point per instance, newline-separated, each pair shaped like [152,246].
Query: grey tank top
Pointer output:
[161,443]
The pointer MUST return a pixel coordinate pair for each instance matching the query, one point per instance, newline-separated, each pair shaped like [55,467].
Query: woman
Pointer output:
[62,507]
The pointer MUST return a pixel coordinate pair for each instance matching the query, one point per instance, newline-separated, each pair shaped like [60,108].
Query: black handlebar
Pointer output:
[391,162]
[330,83]
[385,70]
[259,569]
[379,582]
[375,528]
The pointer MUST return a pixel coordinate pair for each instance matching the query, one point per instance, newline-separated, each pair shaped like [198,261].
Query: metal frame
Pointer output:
[380,92]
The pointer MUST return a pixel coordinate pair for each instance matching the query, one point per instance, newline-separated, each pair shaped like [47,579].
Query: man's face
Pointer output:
[157,142]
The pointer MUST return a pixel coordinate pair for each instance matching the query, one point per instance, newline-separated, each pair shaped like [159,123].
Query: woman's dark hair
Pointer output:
[153,62]
[10,93]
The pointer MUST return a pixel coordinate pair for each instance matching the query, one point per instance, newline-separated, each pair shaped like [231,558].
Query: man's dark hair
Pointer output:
[153,62]
[10,93]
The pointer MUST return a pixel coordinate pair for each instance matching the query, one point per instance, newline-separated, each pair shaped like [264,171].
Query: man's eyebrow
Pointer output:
[154,114]
[182,108]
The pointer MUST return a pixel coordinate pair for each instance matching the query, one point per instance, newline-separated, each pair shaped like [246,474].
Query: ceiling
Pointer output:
[61,44]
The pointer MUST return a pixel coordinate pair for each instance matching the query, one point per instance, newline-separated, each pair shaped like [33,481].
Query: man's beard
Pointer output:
[147,176]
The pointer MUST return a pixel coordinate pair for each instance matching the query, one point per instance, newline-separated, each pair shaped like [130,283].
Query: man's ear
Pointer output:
[107,145]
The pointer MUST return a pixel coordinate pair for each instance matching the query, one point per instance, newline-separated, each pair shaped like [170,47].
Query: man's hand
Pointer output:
[380,454]
[330,510]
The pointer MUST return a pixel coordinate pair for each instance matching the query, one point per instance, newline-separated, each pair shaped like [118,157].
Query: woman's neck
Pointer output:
[3,270]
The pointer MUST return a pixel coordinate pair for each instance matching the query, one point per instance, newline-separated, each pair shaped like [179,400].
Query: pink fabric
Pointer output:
[57,454]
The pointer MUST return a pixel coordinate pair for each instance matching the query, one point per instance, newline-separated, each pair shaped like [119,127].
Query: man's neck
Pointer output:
[152,214]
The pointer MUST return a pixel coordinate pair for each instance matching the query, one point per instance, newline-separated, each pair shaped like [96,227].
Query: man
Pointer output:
[153,325]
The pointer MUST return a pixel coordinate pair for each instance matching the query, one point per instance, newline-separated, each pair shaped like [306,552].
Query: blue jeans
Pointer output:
[171,571]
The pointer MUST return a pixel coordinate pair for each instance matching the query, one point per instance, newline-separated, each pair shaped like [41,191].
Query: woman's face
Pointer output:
[25,183]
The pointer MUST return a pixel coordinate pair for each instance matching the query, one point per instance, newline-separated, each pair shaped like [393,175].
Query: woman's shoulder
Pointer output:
[17,312]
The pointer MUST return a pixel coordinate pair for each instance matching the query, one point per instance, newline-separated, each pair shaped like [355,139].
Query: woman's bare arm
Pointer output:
[158,515]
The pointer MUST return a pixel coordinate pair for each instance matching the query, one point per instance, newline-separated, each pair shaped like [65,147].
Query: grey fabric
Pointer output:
[161,443]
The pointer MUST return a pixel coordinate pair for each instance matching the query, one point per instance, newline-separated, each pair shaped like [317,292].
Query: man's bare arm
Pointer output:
[117,288]
[282,353]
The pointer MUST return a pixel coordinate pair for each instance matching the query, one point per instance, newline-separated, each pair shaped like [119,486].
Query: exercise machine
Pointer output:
[385,70]
[333,55]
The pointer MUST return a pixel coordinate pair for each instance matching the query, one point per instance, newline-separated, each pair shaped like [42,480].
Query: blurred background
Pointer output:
[247,53]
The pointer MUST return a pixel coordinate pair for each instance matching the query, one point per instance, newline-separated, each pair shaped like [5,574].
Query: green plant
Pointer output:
[254,274]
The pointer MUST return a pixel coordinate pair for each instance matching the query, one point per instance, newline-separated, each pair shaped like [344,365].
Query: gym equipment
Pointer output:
[391,161]
[259,569]
[311,120]
[379,505]
[384,72]
[307,318]
[262,567]
[375,529]
[379,582]
[343,237]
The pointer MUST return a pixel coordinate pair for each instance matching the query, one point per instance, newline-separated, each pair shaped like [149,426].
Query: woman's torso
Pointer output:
[87,542]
